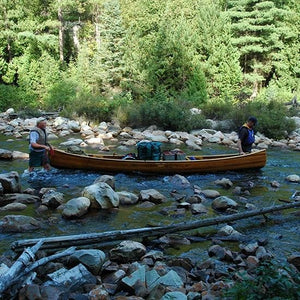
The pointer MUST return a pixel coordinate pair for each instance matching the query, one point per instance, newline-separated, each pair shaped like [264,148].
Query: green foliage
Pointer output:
[270,281]
[166,113]
[8,97]
[271,115]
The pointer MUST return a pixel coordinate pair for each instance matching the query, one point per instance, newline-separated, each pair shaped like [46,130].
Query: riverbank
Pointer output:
[180,198]
[103,135]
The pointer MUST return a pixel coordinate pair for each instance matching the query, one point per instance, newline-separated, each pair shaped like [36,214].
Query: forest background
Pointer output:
[146,62]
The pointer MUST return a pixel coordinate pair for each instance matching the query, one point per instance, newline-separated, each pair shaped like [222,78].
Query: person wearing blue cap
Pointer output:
[246,136]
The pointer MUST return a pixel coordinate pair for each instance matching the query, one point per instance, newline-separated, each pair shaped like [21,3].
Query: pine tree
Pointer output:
[258,33]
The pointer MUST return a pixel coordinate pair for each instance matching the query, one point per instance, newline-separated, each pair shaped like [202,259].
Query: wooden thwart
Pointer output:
[104,237]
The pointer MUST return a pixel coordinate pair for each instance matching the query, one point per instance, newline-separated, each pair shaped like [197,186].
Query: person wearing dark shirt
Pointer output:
[246,136]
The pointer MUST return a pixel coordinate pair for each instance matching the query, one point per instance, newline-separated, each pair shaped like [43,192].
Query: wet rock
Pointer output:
[228,230]
[152,195]
[136,281]
[262,241]
[249,249]
[114,277]
[252,262]
[127,198]
[262,254]
[13,207]
[185,205]
[217,251]
[275,184]
[294,259]
[179,180]
[210,193]
[237,190]
[174,296]
[52,199]
[73,279]
[43,191]
[101,195]
[10,182]
[19,155]
[3,268]
[173,240]
[110,180]
[5,154]
[30,292]
[42,209]
[198,208]
[92,259]
[76,207]
[127,251]
[195,199]
[1,189]
[223,203]
[99,293]
[75,150]
[184,263]
[293,178]
[194,296]
[171,279]
[250,206]
[146,204]
[18,223]
[224,182]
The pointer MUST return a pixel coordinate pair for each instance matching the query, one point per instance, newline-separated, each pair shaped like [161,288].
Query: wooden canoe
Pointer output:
[192,164]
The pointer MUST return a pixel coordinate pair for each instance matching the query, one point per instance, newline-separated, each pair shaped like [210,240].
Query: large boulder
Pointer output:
[18,223]
[10,182]
[19,198]
[74,126]
[179,180]
[101,195]
[92,259]
[127,251]
[223,202]
[76,207]
[152,195]
[53,199]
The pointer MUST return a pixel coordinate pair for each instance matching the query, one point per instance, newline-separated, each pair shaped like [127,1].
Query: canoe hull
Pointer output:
[207,164]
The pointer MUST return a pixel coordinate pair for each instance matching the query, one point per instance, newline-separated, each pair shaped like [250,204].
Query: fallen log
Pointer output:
[104,237]
[25,259]
[41,262]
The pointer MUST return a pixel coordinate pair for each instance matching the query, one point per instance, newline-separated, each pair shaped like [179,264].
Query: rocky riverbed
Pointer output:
[146,269]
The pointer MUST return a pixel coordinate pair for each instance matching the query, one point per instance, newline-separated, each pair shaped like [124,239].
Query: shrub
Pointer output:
[217,109]
[166,113]
[270,281]
[272,120]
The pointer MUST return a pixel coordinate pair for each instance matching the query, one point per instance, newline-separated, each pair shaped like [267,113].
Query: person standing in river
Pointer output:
[38,147]
[246,136]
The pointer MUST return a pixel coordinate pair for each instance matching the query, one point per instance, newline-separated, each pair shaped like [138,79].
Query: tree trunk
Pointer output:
[61,33]
[97,36]
[103,238]
[76,42]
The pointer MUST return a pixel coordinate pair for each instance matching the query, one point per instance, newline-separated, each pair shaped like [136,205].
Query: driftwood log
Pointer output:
[24,260]
[41,262]
[108,236]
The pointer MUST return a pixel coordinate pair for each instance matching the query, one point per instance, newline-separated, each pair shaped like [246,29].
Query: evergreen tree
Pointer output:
[259,34]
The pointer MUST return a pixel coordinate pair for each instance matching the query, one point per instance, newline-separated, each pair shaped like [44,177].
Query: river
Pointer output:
[282,230]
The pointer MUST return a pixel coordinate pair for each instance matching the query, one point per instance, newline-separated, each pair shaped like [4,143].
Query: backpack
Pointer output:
[149,150]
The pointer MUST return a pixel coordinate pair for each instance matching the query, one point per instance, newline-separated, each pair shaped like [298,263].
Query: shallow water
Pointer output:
[281,230]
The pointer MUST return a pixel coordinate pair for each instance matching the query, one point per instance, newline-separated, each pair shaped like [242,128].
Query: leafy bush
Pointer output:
[270,281]
[8,96]
[166,113]
[217,109]
[272,120]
